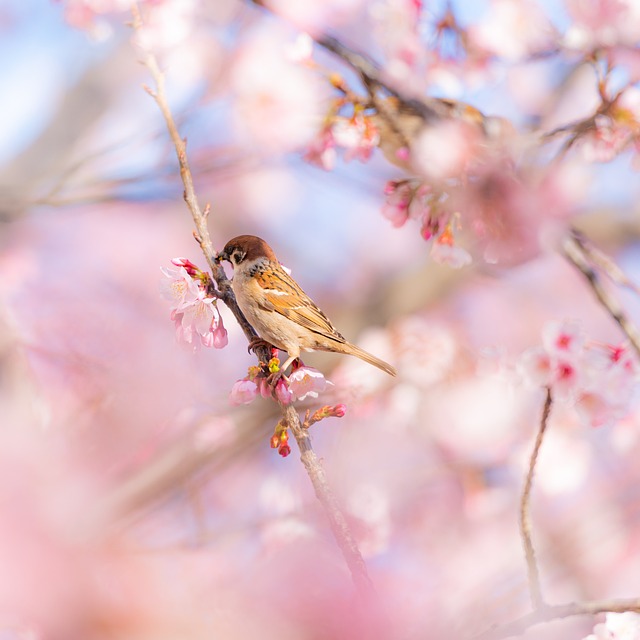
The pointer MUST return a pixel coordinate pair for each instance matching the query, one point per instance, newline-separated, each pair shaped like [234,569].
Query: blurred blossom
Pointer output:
[474,417]
[243,391]
[358,135]
[396,207]
[512,216]
[564,464]
[444,250]
[278,104]
[602,23]
[301,49]
[513,29]
[427,351]
[445,150]
[396,28]
[312,16]
[617,626]
[599,380]
[321,152]
[167,24]
[87,14]
[604,141]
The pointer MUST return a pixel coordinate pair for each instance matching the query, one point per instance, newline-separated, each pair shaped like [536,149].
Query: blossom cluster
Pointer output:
[599,380]
[415,199]
[193,307]
[356,135]
[617,626]
[303,382]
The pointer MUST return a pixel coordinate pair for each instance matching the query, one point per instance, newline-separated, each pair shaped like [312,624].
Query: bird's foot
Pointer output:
[257,343]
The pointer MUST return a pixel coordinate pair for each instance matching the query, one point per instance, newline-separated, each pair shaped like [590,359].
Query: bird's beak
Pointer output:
[222,256]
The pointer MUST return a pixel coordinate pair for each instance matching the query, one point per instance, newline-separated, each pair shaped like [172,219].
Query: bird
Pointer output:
[278,309]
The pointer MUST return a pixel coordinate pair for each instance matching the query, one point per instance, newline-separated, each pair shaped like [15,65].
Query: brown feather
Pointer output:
[293,303]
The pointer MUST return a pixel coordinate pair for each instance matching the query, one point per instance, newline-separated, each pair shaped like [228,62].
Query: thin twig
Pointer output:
[576,253]
[525,511]
[549,613]
[323,491]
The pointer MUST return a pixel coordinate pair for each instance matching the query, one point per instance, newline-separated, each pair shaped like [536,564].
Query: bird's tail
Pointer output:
[371,359]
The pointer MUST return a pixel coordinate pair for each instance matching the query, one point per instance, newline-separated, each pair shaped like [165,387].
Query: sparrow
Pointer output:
[400,124]
[278,309]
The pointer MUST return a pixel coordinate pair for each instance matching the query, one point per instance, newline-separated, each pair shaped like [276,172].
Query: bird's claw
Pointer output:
[255,343]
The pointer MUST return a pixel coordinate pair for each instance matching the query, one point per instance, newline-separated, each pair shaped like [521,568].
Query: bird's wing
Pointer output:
[283,295]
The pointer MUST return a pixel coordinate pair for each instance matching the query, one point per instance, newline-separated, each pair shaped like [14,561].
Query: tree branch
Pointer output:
[525,511]
[323,491]
[577,254]
[549,613]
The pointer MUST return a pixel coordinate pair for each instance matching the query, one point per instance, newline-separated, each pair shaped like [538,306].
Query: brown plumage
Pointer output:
[278,309]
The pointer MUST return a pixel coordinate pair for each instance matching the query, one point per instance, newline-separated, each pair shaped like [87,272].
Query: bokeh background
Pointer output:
[135,501]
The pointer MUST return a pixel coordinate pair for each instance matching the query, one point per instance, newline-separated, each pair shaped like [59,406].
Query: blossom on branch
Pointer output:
[598,380]
[307,382]
[193,309]
[617,626]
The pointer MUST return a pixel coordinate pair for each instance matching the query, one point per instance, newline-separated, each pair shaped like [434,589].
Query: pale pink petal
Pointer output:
[243,391]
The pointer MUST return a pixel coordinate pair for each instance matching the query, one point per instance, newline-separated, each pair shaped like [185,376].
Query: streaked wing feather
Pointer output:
[284,296]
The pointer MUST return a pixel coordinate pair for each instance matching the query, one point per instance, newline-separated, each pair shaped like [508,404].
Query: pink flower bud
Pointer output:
[191,268]
[283,393]
[339,410]
[243,391]
[284,450]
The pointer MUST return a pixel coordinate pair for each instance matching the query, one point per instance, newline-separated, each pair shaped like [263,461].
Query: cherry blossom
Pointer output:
[598,380]
[357,135]
[602,23]
[193,310]
[307,382]
[322,150]
[513,29]
[617,626]
[277,102]
[243,391]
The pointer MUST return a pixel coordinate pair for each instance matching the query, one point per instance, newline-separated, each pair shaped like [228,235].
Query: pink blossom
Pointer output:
[445,251]
[306,382]
[604,141]
[563,338]
[216,336]
[602,23]
[396,207]
[598,380]
[243,391]
[396,27]
[617,626]
[513,29]
[322,150]
[179,288]
[452,256]
[167,25]
[301,49]
[193,310]
[445,150]
[313,16]
[284,394]
[535,367]
[358,135]
[278,103]
[511,214]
